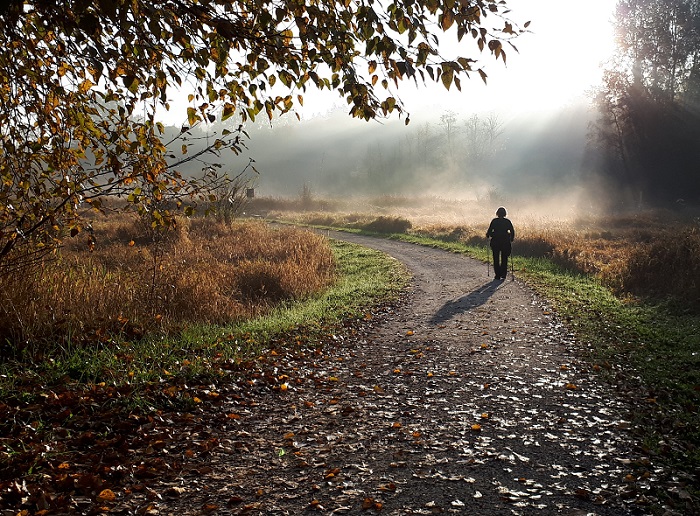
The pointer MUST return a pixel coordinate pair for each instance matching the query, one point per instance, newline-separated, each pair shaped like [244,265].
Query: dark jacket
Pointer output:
[501,233]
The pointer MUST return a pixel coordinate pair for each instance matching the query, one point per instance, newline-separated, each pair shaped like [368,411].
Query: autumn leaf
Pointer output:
[447,77]
[447,19]
[332,473]
[367,503]
[106,495]
[85,86]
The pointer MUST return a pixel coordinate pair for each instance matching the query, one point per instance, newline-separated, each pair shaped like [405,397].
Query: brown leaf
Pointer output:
[106,495]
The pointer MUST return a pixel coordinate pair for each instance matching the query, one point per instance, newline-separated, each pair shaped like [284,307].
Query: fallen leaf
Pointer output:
[106,495]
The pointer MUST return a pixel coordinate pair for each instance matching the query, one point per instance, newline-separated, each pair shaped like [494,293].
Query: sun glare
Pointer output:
[561,58]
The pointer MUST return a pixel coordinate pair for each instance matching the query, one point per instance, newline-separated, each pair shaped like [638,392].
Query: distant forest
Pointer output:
[457,154]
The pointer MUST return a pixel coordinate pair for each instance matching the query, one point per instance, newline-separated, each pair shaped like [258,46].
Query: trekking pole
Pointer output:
[512,273]
[488,263]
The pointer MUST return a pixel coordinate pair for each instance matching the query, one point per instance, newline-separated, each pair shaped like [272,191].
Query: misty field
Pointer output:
[651,254]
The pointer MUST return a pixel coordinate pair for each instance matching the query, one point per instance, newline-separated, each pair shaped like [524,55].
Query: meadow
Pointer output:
[124,308]
[651,254]
[121,278]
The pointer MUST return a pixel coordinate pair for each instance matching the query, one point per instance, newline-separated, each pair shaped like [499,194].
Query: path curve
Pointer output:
[469,397]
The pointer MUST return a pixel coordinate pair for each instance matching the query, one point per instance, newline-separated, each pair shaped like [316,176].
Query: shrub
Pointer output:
[388,225]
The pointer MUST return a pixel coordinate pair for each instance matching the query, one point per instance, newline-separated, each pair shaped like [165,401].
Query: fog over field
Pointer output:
[486,157]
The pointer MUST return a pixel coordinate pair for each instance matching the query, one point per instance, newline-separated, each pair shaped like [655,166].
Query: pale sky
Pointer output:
[558,61]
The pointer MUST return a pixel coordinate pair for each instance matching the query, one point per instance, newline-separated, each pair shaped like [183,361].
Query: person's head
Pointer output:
[501,212]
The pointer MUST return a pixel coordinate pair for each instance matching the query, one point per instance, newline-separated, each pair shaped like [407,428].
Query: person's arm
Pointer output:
[489,231]
[512,232]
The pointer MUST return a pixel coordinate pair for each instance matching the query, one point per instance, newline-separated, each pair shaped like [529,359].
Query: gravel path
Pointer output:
[465,398]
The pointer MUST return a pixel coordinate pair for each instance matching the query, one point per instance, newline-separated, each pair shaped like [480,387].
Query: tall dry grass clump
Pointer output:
[668,265]
[123,279]
[467,234]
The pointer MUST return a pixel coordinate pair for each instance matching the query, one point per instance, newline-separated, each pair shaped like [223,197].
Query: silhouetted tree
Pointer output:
[649,120]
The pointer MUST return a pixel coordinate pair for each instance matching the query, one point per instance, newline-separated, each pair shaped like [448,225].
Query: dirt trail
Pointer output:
[467,398]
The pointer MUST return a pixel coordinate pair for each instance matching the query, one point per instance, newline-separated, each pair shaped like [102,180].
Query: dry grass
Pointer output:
[204,271]
[653,254]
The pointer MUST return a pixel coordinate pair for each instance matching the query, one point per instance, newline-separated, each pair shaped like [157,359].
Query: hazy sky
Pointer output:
[557,62]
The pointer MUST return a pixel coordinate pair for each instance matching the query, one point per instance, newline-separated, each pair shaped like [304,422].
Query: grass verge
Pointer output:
[650,349]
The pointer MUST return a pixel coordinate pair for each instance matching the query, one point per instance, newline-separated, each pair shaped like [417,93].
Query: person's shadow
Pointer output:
[476,297]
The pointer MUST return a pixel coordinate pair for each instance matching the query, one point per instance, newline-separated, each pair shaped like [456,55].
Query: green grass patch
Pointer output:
[651,350]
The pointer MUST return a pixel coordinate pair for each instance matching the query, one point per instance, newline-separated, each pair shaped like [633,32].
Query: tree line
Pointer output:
[647,135]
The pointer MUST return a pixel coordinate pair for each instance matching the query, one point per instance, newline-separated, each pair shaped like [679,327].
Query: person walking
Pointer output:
[501,233]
